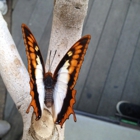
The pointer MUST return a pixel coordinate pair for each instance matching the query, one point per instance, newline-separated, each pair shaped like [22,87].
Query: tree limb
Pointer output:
[68,19]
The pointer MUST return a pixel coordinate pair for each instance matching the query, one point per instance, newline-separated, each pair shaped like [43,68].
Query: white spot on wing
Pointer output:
[63,75]
[60,89]
[39,82]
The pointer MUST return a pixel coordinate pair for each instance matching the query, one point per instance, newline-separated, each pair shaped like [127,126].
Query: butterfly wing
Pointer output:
[66,75]
[36,71]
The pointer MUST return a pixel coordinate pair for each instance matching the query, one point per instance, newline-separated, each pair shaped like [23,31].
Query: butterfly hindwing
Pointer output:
[36,71]
[66,75]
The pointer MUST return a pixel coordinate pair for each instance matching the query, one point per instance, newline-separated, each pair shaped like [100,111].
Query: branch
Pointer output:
[68,18]
[14,73]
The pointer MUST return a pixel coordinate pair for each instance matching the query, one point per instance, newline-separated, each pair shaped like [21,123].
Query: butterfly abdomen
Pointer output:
[49,88]
[48,98]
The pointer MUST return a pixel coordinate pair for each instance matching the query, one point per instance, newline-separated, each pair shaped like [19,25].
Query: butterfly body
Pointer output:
[49,88]
[54,90]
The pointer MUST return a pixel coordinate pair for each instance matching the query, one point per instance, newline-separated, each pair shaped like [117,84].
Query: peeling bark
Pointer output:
[68,18]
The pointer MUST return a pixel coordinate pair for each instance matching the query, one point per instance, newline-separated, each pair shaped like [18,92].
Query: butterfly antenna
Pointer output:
[50,63]
[50,60]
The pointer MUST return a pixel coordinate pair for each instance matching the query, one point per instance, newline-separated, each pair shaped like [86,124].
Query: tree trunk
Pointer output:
[68,18]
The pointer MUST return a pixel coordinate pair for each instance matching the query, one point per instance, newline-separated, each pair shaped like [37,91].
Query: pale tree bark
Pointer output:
[68,18]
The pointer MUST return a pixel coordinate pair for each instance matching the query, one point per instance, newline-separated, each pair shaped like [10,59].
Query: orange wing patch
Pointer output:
[69,109]
[32,52]
[79,51]
[33,102]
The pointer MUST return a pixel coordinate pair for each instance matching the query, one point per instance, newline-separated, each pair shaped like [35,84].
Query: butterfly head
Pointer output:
[48,81]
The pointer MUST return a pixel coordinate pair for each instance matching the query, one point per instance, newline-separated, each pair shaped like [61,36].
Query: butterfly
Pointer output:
[54,90]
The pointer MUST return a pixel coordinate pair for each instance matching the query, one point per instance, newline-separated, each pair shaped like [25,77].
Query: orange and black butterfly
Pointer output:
[54,90]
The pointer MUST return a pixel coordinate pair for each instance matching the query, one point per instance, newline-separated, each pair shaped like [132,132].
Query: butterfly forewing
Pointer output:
[36,71]
[66,75]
